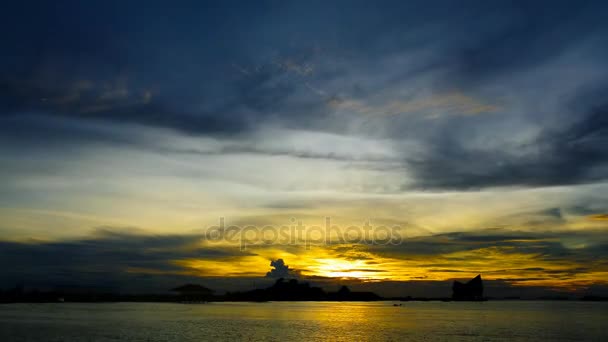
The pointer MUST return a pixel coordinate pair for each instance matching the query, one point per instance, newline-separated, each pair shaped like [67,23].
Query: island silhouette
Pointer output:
[293,290]
[284,289]
[471,290]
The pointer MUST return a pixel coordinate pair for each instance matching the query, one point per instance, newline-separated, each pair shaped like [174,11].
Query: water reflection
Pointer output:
[305,321]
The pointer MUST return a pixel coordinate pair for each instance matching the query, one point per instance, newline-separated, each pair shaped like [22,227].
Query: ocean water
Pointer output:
[307,321]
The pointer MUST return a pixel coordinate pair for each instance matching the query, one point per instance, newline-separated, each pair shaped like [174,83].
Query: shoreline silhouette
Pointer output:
[282,290]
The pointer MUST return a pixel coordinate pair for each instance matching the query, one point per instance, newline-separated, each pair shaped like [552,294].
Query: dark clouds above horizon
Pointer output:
[153,261]
[233,68]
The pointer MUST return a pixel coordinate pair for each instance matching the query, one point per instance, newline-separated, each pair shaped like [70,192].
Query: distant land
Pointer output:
[281,290]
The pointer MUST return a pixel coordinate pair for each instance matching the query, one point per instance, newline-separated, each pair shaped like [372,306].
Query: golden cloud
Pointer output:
[598,217]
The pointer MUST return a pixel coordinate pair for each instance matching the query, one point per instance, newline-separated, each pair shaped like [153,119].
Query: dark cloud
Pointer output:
[574,154]
[189,55]
[531,34]
[117,105]
[554,212]
[227,69]
[546,245]
[94,62]
[106,258]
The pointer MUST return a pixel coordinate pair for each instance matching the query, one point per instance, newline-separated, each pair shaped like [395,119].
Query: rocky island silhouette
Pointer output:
[471,290]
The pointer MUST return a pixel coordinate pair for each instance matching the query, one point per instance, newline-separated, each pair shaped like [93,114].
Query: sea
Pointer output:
[307,321]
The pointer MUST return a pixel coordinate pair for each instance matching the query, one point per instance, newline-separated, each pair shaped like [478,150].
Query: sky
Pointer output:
[474,133]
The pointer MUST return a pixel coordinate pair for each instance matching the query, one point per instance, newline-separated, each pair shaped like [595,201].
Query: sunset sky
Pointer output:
[478,130]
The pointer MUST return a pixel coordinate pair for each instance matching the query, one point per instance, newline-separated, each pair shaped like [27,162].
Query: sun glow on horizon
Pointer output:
[339,268]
